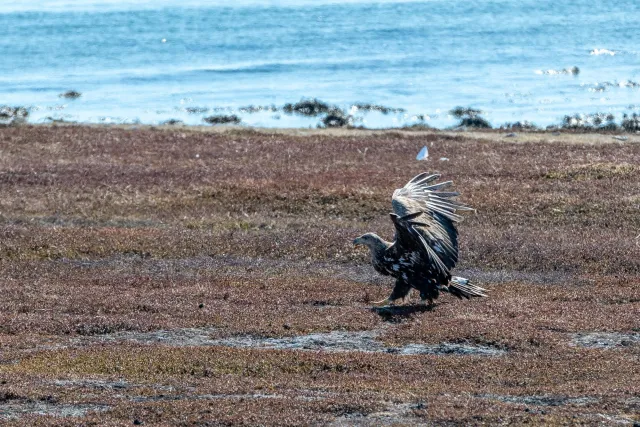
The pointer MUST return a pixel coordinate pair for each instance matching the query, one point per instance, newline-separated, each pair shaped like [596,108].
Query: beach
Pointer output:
[180,275]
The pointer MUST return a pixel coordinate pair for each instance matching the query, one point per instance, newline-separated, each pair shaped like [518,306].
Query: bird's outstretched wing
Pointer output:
[424,218]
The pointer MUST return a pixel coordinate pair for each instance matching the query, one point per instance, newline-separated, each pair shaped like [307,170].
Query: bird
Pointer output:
[425,247]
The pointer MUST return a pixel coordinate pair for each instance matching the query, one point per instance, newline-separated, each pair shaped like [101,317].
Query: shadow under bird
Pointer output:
[425,249]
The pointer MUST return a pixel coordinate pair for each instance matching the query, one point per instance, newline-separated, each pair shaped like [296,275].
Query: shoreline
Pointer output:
[312,113]
[542,135]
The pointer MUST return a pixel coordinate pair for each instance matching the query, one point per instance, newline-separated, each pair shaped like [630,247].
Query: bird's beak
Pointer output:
[356,241]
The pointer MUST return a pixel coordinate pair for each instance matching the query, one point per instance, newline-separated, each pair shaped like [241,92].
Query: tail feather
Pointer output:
[463,288]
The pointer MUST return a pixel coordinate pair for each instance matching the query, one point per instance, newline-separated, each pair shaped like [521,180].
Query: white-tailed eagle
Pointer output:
[425,249]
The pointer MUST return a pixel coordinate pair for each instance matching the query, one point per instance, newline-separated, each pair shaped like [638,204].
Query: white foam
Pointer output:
[603,52]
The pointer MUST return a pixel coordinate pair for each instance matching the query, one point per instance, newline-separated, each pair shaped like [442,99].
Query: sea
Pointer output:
[184,60]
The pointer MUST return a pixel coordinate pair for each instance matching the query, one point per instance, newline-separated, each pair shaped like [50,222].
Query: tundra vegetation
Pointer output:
[206,276]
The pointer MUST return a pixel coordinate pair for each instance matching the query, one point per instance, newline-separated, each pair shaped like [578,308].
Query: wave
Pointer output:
[603,52]
[573,71]
[102,6]
[602,86]
[261,67]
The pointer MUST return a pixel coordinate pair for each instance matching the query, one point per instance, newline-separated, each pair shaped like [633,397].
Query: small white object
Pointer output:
[423,154]
[444,159]
[603,52]
[197,156]
[164,40]
[621,138]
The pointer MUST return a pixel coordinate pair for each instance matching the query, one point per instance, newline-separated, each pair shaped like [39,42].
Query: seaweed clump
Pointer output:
[57,120]
[519,126]
[172,122]
[333,116]
[380,108]
[70,94]
[222,119]
[251,109]
[335,119]
[196,110]
[631,123]
[589,122]
[12,116]
[470,118]
[308,107]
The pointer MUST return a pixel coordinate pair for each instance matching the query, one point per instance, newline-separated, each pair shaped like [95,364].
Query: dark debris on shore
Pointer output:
[332,116]
[223,119]
[470,118]
[380,108]
[308,107]
[519,126]
[12,116]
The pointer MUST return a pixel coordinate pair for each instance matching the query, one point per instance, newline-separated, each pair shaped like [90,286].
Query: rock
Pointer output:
[222,119]
[460,112]
[70,94]
[13,116]
[519,126]
[470,118]
[308,107]
[475,122]
[336,118]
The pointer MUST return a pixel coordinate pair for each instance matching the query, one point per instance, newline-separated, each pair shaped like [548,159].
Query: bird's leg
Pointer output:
[400,292]
[427,302]
[407,298]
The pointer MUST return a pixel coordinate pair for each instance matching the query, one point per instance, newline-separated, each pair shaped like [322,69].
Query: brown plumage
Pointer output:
[425,249]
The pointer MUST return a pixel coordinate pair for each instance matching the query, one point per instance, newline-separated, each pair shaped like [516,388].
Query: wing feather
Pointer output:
[425,219]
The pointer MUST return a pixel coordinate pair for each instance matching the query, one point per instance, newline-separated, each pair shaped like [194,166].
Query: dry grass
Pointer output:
[108,231]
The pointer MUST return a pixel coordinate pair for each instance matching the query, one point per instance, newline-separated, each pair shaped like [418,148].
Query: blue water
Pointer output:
[147,61]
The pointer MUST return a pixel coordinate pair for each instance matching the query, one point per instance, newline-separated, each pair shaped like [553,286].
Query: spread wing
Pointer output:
[424,218]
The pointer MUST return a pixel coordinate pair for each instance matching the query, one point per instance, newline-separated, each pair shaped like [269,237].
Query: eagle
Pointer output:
[425,248]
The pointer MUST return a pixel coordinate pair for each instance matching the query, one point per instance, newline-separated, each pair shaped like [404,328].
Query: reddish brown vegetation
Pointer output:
[106,230]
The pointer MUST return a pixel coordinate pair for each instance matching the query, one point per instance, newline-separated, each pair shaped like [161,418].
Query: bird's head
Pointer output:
[371,240]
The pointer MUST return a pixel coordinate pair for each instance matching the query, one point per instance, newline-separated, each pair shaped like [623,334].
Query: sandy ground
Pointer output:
[206,276]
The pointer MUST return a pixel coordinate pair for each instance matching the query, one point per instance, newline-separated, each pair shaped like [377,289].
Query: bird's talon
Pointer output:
[382,303]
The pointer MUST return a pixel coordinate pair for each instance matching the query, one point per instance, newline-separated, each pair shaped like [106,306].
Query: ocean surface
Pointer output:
[151,61]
